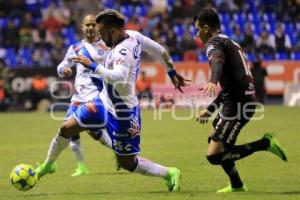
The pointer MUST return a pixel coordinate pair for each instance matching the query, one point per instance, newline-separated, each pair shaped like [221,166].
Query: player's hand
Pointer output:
[67,72]
[204,115]
[82,60]
[210,89]
[178,81]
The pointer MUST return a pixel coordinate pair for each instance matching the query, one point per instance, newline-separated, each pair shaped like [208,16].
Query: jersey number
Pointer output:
[243,57]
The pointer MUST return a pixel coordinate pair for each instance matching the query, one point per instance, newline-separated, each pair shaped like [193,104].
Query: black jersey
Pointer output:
[229,68]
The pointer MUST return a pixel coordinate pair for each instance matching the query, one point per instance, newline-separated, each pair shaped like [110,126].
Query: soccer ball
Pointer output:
[23,177]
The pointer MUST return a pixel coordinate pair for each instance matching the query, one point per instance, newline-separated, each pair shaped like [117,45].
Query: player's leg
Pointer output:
[75,145]
[267,143]
[58,144]
[136,164]
[125,135]
[217,153]
[101,136]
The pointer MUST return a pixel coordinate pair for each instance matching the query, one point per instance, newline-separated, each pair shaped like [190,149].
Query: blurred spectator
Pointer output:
[282,41]
[177,10]
[133,24]
[172,44]
[5,76]
[143,87]
[4,102]
[158,6]
[15,9]
[38,90]
[10,35]
[259,74]
[5,72]
[226,6]
[265,45]
[42,36]
[238,36]
[41,57]
[58,50]
[53,18]
[249,45]
[26,30]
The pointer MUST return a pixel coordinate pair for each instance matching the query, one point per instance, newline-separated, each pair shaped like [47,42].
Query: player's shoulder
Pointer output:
[219,39]
[77,45]
[101,44]
[216,43]
[133,33]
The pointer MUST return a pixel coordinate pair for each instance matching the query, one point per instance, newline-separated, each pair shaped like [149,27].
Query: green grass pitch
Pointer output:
[25,138]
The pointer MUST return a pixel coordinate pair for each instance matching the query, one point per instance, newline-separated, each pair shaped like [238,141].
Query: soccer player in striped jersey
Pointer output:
[117,107]
[87,84]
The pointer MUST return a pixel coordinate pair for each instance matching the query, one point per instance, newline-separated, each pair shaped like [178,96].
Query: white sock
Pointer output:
[105,139]
[76,149]
[57,145]
[149,168]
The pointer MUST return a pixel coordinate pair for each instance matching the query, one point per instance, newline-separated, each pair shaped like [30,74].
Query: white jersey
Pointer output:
[87,85]
[121,69]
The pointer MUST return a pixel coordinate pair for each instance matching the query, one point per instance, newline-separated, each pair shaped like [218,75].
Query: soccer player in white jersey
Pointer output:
[117,107]
[87,85]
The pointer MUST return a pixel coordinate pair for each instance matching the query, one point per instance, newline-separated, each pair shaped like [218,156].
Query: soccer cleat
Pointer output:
[45,168]
[81,170]
[173,179]
[275,147]
[230,189]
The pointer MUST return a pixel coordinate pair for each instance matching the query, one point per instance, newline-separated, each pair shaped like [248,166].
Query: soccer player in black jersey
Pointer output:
[236,101]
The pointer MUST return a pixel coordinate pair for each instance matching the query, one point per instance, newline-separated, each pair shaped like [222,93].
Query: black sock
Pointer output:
[242,151]
[231,171]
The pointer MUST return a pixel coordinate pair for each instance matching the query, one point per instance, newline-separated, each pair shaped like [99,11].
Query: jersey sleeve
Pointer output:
[65,63]
[216,57]
[122,60]
[150,46]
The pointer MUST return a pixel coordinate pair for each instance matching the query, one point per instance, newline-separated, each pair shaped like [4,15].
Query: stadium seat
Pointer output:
[295,56]
[141,10]
[3,22]
[11,58]
[281,56]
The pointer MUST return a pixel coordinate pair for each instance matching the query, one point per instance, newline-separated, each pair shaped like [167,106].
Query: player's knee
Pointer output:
[215,159]
[127,164]
[208,139]
[93,135]
[64,131]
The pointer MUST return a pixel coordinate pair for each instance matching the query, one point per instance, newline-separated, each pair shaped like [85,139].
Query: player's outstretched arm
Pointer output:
[64,68]
[155,49]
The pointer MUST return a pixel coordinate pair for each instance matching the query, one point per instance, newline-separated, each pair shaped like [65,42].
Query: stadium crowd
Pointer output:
[35,33]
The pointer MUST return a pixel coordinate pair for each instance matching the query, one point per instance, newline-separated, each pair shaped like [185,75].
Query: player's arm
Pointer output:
[155,49]
[64,68]
[120,70]
[216,61]
[206,113]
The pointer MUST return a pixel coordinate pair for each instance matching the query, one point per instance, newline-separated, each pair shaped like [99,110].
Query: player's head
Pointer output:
[207,23]
[111,24]
[89,27]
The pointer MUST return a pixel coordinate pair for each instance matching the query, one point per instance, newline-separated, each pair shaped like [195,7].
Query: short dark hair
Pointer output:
[111,17]
[208,16]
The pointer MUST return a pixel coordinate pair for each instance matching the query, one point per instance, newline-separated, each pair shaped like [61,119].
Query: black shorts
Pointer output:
[230,120]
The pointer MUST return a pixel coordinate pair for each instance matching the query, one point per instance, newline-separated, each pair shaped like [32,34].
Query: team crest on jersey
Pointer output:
[134,129]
